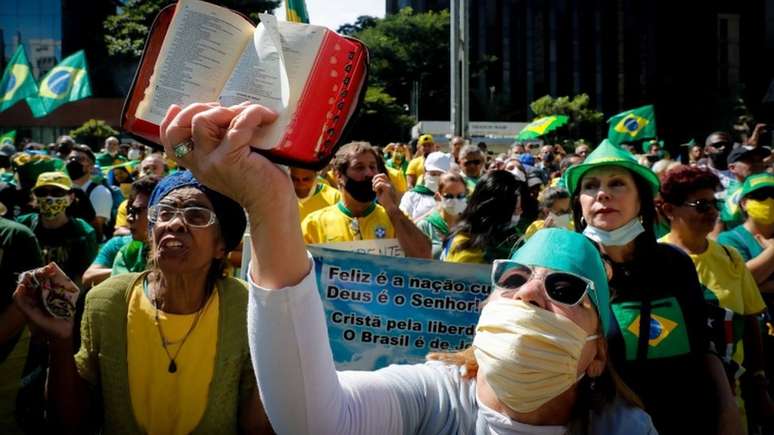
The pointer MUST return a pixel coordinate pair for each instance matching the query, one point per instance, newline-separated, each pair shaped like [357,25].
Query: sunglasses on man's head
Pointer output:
[561,287]
[705,205]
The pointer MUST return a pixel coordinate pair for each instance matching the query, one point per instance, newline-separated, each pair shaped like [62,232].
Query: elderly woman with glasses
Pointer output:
[508,387]
[162,351]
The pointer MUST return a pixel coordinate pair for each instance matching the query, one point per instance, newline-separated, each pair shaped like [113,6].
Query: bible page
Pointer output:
[273,71]
[201,48]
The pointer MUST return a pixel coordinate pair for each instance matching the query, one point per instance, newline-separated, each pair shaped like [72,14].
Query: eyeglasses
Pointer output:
[134,211]
[472,162]
[450,196]
[561,287]
[705,205]
[56,192]
[197,217]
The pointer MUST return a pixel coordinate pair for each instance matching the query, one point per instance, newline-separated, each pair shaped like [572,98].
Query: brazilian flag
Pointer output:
[296,11]
[17,82]
[67,82]
[632,125]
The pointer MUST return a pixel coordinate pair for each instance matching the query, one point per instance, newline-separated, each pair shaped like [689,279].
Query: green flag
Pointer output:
[8,138]
[296,11]
[68,81]
[17,82]
[632,125]
[541,126]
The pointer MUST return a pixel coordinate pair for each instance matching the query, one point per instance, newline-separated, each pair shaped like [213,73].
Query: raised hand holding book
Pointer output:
[310,76]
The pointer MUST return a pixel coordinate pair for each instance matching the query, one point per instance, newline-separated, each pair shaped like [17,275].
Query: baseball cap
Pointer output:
[425,138]
[747,152]
[756,182]
[56,179]
[438,161]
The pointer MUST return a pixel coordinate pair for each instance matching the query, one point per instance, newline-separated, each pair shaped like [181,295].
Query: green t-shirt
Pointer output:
[104,159]
[742,240]
[72,246]
[132,257]
[108,251]
[470,183]
[19,252]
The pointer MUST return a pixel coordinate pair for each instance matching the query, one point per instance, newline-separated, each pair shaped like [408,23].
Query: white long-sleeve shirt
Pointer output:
[304,394]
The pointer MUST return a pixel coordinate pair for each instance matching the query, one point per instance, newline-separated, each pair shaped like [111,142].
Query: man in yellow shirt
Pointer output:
[416,167]
[358,216]
[311,193]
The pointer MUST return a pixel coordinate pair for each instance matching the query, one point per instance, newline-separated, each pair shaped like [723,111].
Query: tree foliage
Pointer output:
[361,23]
[125,32]
[93,133]
[382,119]
[411,47]
[582,117]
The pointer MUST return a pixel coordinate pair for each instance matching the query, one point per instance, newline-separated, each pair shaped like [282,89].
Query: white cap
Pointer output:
[438,161]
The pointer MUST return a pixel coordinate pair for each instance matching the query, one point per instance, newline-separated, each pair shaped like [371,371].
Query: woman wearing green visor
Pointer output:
[653,288]
[538,364]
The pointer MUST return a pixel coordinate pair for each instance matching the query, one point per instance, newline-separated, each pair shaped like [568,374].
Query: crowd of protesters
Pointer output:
[650,267]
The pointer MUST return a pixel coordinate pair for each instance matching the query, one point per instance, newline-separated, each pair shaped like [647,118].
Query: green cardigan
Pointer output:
[102,358]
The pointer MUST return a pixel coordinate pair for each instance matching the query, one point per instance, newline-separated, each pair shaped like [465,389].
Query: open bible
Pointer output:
[311,76]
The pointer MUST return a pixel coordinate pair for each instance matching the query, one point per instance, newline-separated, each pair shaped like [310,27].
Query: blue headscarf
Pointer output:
[231,216]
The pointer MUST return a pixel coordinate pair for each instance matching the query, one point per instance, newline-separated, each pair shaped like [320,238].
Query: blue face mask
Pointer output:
[618,237]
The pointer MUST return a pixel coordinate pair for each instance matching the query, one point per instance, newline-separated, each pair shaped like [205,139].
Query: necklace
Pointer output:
[172,368]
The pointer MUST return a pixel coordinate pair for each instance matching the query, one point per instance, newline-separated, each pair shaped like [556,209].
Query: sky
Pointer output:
[334,13]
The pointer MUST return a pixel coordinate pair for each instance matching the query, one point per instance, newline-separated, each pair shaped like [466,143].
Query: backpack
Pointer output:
[117,196]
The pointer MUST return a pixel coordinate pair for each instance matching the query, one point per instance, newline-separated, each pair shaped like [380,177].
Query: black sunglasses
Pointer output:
[562,287]
[472,162]
[450,196]
[134,211]
[56,192]
[705,205]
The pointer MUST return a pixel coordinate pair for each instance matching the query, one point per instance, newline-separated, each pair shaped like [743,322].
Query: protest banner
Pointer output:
[388,247]
[383,310]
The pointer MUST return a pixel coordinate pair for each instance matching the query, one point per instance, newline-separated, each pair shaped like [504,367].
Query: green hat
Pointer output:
[608,154]
[577,256]
[756,182]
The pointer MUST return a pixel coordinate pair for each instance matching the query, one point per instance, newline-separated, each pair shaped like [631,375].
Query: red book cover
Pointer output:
[313,77]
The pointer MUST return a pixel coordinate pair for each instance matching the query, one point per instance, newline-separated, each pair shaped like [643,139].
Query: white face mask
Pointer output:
[560,220]
[431,182]
[454,206]
[527,355]
[617,237]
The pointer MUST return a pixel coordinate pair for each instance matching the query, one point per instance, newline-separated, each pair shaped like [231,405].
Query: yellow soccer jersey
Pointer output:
[323,196]
[336,224]
[416,167]
[398,180]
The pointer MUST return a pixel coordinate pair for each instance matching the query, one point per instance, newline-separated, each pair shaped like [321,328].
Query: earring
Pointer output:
[593,384]
[583,220]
